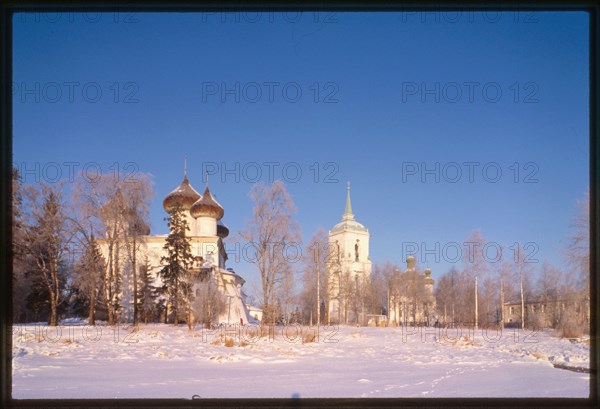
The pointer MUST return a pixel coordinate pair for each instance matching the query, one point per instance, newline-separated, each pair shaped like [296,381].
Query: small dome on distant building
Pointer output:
[428,279]
[184,195]
[207,206]
[222,230]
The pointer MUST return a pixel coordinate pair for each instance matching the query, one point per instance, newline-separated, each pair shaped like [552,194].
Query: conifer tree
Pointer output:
[176,264]
[47,244]
[148,293]
[88,279]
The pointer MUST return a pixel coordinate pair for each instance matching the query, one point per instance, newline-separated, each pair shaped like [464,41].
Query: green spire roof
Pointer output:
[348,222]
[348,215]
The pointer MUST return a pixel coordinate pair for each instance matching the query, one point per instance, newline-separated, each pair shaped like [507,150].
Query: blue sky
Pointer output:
[371,98]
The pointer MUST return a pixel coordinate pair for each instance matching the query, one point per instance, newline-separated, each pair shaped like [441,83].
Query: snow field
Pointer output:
[163,361]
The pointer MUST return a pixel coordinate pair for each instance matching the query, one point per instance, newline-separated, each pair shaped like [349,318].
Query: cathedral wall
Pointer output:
[347,242]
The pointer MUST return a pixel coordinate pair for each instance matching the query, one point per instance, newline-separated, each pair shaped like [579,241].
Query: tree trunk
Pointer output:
[476,305]
[501,303]
[117,288]
[453,318]
[522,301]
[108,283]
[318,291]
[53,291]
[175,305]
[92,313]
[53,318]
[273,304]
[135,287]
[265,283]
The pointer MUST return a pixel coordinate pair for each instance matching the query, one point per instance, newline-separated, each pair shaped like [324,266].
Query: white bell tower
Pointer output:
[350,264]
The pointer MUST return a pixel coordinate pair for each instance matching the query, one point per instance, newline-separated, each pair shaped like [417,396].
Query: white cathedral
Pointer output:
[207,232]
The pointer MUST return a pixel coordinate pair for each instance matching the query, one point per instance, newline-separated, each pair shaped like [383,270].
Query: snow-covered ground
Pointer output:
[162,361]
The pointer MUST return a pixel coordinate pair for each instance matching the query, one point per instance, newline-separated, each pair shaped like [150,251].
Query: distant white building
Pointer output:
[410,296]
[203,214]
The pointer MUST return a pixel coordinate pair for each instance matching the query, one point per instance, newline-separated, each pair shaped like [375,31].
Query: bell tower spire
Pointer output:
[348,215]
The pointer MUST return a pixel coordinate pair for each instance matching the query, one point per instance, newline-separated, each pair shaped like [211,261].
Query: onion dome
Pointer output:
[428,279]
[184,195]
[207,206]
[222,230]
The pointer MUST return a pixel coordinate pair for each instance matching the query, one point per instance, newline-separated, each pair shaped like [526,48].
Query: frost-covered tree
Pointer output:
[115,210]
[271,229]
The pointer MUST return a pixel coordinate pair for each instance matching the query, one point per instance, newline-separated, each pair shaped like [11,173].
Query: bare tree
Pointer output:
[378,294]
[314,292]
[548,289]
[414,293]
[99,203]
[286,296]
[208,302]
[446,294]
[522,271]
[578,248]
[271,229]
[136,224]
[114,210]
[488,302]
[475,266]
[578,255]
[507,291]
[395,286]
